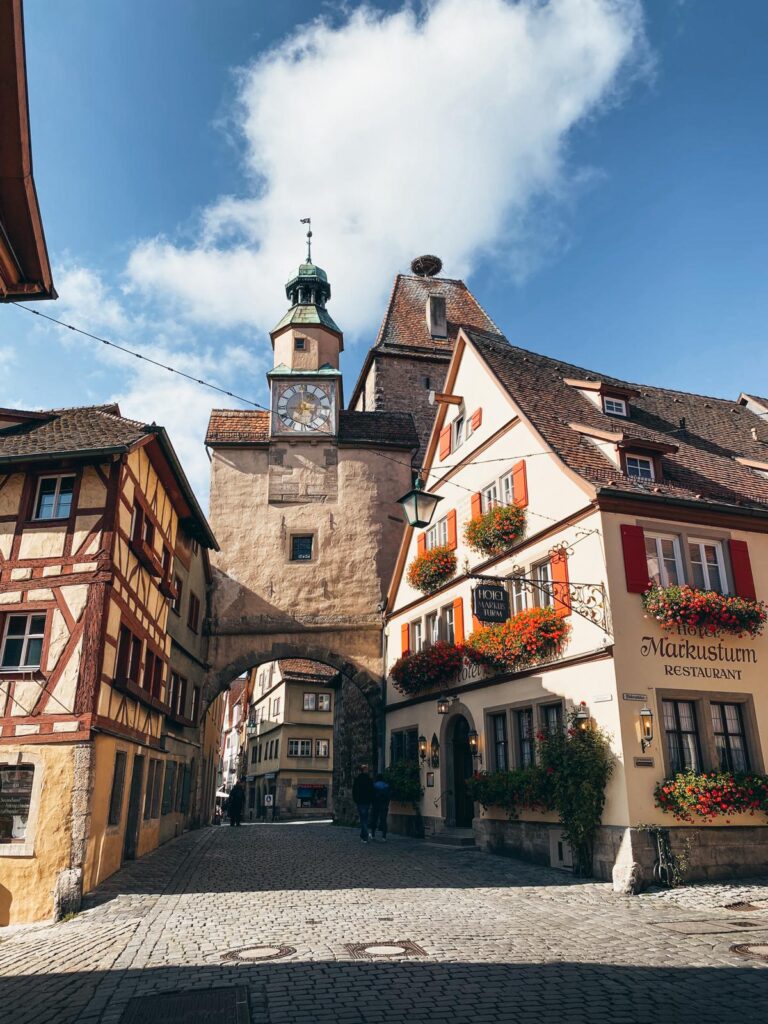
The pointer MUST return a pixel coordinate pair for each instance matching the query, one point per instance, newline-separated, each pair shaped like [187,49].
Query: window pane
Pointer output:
[669,714]
[301,549]
[17,625]
[45,499]
[669,555]
[687,720]
[64,504]
[34,652]
[12,653]
[717,717]
[689,752]
[15,798]
[37,625]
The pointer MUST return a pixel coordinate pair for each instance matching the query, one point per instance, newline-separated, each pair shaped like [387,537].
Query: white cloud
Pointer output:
[399,134]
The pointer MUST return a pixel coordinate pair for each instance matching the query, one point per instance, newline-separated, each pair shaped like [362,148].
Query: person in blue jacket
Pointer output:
[380,809]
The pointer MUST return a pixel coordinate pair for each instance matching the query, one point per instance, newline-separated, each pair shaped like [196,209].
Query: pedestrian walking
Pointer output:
[380,807]
[236,803]
[362,794]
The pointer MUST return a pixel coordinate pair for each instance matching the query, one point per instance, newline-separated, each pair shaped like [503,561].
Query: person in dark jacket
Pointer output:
[380,807]
[235,803]
[362,794]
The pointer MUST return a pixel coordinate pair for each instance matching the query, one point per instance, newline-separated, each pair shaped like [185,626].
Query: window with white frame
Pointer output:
[23,641]
[54,497]
[448,628]
[640,467]
[433,628]
[323,702]
[541,574]
[506,489]
[518,593]
[322,748]
[665,564]
[310,701]
[417,636]
[708,565]
[458,436]
[614,406]
[490,496]
[437,535]
[299,748]
[16,782]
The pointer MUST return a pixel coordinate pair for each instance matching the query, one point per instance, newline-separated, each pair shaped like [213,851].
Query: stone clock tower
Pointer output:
[304,506]
[305,383]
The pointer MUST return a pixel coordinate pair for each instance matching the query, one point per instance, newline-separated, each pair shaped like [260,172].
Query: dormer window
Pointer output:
[640,467]
[614,406]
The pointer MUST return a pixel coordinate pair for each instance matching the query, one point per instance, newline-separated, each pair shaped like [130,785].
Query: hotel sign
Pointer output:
[687,644]
[490,602]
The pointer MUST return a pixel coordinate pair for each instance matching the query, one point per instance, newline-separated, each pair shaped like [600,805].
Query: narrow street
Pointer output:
[492,940]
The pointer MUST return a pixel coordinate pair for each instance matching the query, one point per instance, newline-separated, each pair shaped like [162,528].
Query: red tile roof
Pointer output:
[405,321]
[708,434]
[237,426]
[77,431]
[306,668]
[380,429]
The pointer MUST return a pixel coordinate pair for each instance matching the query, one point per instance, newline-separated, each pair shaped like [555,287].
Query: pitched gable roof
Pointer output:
[405,322]
[304,669]
[707,434]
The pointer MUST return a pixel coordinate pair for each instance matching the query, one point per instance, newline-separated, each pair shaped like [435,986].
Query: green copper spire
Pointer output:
[308,291]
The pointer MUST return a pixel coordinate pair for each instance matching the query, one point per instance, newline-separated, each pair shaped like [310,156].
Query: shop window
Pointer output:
[640,467]
[322,748]
[730,741]
[682,735]
[524,729]
[118,785]
[15,799]
[54,497]
[23,641]
[299,748]
[499,741]
[311,795]
[665,565]
[404,746]
[708,565]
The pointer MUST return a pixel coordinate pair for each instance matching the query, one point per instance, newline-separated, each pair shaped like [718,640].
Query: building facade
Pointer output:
[90,507]
[320,483]
[621,486]
[289,729]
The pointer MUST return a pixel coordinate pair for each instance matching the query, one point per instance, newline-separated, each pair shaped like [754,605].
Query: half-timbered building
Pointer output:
[91,508]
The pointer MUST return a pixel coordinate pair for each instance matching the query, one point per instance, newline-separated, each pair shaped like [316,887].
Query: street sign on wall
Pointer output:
[490,602]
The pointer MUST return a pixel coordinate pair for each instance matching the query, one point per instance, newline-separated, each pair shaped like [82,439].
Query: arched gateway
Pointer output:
[304,505]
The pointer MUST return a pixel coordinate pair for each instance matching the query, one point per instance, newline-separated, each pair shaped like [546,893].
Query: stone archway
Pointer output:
[450,770]
[358,708]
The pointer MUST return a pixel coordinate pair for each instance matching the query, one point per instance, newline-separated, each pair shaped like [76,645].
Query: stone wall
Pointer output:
[402,384]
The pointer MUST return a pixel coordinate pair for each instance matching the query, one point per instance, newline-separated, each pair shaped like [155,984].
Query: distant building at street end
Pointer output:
[25,272]
[604,489]
[289,739]
[99,706]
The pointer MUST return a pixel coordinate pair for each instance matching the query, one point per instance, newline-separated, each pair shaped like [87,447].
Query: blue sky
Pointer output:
[596,172]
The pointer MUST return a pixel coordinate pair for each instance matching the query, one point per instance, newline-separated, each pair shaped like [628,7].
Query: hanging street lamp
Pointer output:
[419,505]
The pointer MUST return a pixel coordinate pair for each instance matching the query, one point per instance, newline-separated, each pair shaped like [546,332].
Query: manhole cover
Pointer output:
[369,950]
[755,952]
[200,1006]
[255,954]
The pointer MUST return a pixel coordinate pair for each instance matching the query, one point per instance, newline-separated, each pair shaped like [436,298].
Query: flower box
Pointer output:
[709,795]
[704,609]
[431,569]
[433,666]
[527,637]
[496,530]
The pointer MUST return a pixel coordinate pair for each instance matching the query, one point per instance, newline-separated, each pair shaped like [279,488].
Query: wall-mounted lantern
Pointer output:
[474,745]
[435,752]
[444,705]
[646,727]
[419,505]
[582,717]
[422,749]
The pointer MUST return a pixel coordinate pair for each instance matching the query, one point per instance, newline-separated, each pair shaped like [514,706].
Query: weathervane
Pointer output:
[308,221]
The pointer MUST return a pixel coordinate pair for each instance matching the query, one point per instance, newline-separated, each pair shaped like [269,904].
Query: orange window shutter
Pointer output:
[421,544]
[560,589]
[445,443]
[520,483]
[477,505]
[458,621]
[451,525]
[405,639]
[477,418]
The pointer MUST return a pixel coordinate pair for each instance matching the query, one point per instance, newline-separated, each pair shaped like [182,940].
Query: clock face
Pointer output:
[304,408]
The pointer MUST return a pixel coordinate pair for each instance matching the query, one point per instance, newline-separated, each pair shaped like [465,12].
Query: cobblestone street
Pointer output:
[493,940]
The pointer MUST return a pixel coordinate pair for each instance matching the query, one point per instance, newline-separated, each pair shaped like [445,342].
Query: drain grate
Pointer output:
[198,1006]
[372,950]
[258,954]
[756,951]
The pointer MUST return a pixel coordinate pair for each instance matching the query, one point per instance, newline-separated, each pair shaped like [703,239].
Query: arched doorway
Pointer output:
[461,770]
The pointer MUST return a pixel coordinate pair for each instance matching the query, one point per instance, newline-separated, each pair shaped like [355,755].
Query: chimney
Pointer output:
[436,322]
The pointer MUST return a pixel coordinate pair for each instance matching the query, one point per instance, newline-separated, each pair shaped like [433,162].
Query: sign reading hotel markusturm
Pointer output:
[690,644]
[490,602]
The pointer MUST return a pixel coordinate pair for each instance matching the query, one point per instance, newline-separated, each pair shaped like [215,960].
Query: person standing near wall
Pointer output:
[362,794]
[380,810]
[236,802]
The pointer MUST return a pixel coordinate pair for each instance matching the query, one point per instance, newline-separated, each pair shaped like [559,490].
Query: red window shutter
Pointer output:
[477,418]
[635,560]
[458,621]
[741,568]
[445,443]
[520,483]
[477,505]
[451,524]
[405,639]
[560,589]
[421,544]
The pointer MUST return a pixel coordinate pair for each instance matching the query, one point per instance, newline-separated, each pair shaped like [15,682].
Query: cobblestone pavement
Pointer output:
[494,940]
